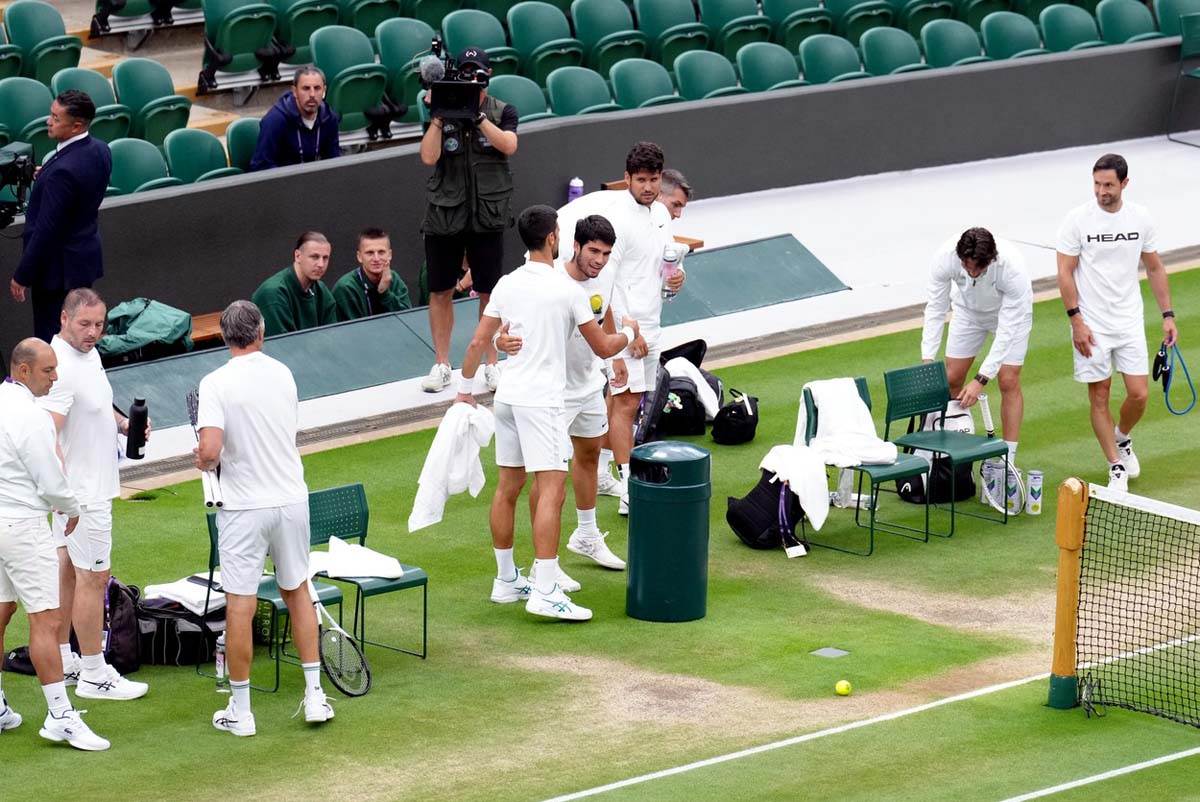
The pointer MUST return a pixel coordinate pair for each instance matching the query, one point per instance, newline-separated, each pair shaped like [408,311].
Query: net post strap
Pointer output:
[1068,535]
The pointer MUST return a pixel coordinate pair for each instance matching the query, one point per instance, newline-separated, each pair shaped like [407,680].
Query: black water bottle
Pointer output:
[139,414]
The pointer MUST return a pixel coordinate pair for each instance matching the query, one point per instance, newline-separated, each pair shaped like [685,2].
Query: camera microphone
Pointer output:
[432,69]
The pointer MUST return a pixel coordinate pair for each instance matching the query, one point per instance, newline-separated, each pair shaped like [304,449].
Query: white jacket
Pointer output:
[31,477]
[452,464]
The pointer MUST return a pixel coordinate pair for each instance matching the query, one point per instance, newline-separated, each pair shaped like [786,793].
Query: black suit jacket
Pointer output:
[61,236]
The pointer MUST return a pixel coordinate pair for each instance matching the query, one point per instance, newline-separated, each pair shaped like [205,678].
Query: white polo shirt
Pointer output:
[544,308]
[31,478]
[252,398]
[88,439]
[585,370]
[1109,246]
[642,234]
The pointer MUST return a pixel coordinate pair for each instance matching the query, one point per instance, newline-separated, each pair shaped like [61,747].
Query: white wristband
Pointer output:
[629,335]
[466,386]
[495,337]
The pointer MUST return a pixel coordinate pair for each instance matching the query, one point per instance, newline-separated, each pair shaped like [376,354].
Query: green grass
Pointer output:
[510,706]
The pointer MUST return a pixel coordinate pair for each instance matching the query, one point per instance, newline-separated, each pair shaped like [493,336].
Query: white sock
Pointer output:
[1012,451]
[1121,436]
[506,569]
[65,650]
[93,664]
[587,519]
[624,471]
[545,575]
[312,679]
[1116,461]
[56,697]
[241,694]
[606,458]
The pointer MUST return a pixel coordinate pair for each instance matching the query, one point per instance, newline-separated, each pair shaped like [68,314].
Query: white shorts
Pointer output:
[28,564]
[533,438]
[248,536]
[965,336]
[643,373]
[1127,353]
[90,545]
[587,417]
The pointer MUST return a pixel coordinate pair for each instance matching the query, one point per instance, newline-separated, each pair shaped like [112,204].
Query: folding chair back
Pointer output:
[338,512]
[915,391]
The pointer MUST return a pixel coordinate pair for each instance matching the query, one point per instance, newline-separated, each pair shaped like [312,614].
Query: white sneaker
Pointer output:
[565,582]
[71,669]
[623,507]
[609,485]
[438,378]
[491,377]
[316,708]
[9,719]
[230,719]
[592,545]
[556,604]
[507,591]
[69,727]
[1128,458]
[1118,478]
[109,685]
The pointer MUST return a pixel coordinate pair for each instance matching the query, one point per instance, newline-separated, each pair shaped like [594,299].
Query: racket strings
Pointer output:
[344,663]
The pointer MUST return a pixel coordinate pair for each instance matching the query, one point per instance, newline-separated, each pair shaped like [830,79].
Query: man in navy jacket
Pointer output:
[300,127]
[62,235]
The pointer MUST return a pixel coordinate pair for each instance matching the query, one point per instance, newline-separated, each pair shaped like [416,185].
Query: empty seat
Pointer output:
[241,138]
[1167,11]
[605,27]
[734,23]
[911,15]
[1069,28]
[523,94]
[145,87]
[973,12]
[765,66]
[542,37]
[472,28]
[951,43]
[365,15]
[24,112]
[640,82]
[196,155]
[1123,21]
[113,119]
[38,30]
[828,59]
[295,21]
[356,84]
[401,44]
[796,20]
[10,57]
[702,74]
[851,18]
[578,90]
[1007,34]
[138,166]
[238,37]
[890,51]
[672,28]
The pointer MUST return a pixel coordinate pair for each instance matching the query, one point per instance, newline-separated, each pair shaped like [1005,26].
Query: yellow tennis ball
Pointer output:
[843,687]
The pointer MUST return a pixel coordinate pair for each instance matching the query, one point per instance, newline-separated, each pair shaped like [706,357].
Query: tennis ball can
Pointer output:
[1033,502]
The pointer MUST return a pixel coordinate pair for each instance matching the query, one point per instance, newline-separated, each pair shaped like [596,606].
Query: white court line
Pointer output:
[1095,778]
[799,739]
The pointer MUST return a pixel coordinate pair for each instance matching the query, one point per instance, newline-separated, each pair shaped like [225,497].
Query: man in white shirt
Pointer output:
[543,308]
[248,417]
[31,485]
[984,282]
[81,405]
[1099,245]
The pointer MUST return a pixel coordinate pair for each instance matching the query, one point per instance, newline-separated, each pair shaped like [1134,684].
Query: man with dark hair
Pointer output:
[675,192]
[301,127]
[1099,246]
[373,287]
[62,234]
[544,309]
[984,281]
[295,298]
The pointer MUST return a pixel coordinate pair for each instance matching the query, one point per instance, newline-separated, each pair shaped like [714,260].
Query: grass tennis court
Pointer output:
[921,622]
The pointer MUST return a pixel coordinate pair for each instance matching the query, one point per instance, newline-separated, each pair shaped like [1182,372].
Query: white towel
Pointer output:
[845,431]
[452,464]
[804,471]
[352,560]
[190,593]
[708,399]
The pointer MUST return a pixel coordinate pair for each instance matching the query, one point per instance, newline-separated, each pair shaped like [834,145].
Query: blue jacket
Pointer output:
[62,236]
[283,139]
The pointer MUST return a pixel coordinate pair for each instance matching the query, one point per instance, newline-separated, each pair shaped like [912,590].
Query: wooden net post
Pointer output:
[1069,535]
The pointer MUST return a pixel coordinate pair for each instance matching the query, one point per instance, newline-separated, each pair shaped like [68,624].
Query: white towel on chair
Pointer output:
[845,432]
[804,471]
[352,560]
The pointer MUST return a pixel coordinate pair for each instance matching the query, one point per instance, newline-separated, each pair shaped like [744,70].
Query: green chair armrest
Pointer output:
[55,43]
[160,183]
[661,100]
[788,84]
[1033,51]
[599,108]
[910,68]
[726,91]
[221,172]
[850,76]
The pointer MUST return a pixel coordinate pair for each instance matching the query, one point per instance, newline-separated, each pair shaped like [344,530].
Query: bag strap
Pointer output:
[784,524]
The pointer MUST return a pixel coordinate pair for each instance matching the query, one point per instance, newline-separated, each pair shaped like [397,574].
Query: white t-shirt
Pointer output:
[252,398]
[544,308]
[88,439]
[585,370]
[1109,246]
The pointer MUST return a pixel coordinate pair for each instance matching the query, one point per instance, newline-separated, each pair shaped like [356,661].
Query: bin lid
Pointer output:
[688,464]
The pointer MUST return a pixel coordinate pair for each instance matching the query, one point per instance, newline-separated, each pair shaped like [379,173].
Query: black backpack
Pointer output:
[683,414]
[737,421]
[761,518]
[121,650]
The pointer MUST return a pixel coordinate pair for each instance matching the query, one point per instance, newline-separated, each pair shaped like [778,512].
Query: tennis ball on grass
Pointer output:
[843,688]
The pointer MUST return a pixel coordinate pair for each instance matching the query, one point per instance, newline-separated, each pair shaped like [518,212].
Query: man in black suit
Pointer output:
[61,236]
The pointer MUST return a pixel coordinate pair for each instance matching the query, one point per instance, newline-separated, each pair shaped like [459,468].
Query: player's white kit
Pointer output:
[585,411]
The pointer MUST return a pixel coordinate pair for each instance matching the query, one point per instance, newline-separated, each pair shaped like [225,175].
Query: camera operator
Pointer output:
[469,196]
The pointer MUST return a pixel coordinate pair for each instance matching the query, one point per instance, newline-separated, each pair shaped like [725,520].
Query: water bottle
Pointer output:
[670,268]
[1033,487]
[219,659]
[139,414]
[574,189]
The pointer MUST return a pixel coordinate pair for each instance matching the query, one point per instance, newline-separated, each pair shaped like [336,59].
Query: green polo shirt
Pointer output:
[357,297]
[286,307]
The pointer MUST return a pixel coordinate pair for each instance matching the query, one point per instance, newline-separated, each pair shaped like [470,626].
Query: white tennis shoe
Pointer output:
[69,727]
[491,377]
[9,719]
[1128,458]
[591,545]
[230,719]
[556,604]
[316,708]
[438,378]
[564,581]
[1118,478]
[623,507]
[609,485]
[109,685]
[71,669]
[507,591]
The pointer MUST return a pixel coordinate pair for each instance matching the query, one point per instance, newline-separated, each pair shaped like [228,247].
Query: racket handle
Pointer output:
[218,496]
[986,410]
[206,485]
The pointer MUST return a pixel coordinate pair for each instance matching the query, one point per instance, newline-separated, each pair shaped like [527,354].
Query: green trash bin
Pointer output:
[669,489]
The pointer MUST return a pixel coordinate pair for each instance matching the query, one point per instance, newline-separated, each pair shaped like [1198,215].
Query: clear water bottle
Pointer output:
[135,444]
[669,269]
[574,188]
[219,659]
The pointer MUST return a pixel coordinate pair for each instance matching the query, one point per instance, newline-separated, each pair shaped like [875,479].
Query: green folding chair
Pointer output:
[1189,49]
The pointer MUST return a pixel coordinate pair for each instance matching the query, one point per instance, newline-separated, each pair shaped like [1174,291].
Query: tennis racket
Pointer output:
[208,479]
[998,495]
[341,658]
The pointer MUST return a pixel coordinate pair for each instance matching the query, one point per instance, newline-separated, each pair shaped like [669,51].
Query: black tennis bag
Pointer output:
[912,489]
[761,517]
[172,635]
[650,410]
[683,414]
[737,421]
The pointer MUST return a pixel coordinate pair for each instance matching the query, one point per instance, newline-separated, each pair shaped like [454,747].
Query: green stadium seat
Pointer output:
[1032,8]
[196,155]
[241,138]
[951,43]
[497,8]
[911,15]
[24,112]
[1167,11]
[295,21]
[239,37]
[578,90]
[734,23]
[1124,21]
[365,15]
[1067,27]
[605,27]
[401,44]
[891,51]
[10,57]
[825,59]
[640,83]
[472,28]
[765,66]
[972,12]
[113,120]
[671,27]
[542,37]
[38,30]
[430,12]
[851,18]
[356,84]
[138,166]
[703,74]
[145,87]
[796,20]
[1189,51]
[1007,34]
[522,93]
